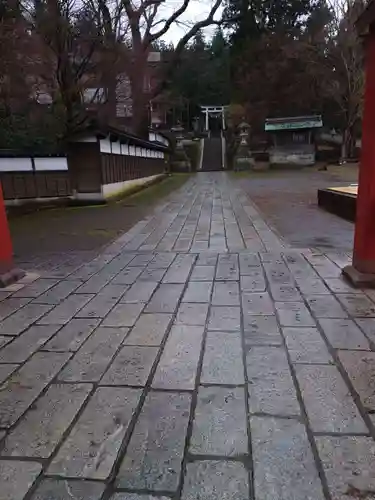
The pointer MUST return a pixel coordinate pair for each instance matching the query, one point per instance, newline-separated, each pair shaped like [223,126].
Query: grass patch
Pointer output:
[54,215]
[153,193]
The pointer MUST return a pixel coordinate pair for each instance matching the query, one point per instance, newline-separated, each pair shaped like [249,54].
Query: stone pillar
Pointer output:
[207,125]
[8,273]
[362,272]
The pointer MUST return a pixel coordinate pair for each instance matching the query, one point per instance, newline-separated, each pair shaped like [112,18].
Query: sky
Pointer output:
[196,11]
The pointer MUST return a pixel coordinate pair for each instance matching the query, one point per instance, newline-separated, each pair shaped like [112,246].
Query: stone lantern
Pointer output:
[243,159]
[180,162]
[244,129]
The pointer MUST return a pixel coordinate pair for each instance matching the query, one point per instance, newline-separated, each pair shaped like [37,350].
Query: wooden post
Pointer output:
[362,272]
[8,274]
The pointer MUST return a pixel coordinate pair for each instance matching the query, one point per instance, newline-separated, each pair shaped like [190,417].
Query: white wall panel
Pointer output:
[44,164]
[15,164]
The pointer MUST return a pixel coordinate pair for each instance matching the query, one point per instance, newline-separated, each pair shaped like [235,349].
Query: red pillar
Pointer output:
[6,253]
[364,242]
[8,273]
[363,270]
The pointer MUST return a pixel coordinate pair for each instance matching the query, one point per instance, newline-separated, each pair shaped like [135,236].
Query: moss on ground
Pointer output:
[61,229]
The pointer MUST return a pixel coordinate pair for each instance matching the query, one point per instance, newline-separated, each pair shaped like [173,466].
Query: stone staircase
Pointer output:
[212,154]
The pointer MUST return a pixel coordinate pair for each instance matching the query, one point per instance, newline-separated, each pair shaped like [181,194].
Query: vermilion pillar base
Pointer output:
[8,273]
[362,272]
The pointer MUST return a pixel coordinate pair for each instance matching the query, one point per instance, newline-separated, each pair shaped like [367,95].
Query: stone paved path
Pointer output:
[198,357]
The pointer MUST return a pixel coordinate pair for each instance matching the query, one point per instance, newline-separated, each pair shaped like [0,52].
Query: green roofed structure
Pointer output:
[293,139]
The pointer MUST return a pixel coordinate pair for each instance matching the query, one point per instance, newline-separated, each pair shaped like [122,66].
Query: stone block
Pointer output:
[36,288]
[93,358]
[210,479]
[54,489]
[324,306]
[329,405]
[140,291]
[64,312]
[154,455]
[192,314]
[254,281]
[203,273]
[227,268]
[92,446]
[123,315]
[294,314]
[24,386]
[198,291]
[38,434]
[226,294]
[262,330]
[23,318]
[305,345]
[358,306]
[58,293]
[180,269]
[344,334]
[257,303]
[150,329]
[27,343]
[131,366]
[177,367]
[225,318]
[16,478]
[222,361]
[220,426]
[165,299]
[360,367]
[128,276]
[72,335]
[271,387]
[284,466]
[349,466]
[285,293]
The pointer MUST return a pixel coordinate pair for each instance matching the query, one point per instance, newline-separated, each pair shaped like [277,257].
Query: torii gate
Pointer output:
[362,271]
[213,110]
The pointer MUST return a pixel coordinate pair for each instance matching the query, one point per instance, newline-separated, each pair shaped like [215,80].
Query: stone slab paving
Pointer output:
[196,357]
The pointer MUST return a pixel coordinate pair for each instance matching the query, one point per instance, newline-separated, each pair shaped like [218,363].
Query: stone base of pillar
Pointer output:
[357,278]
[9,275]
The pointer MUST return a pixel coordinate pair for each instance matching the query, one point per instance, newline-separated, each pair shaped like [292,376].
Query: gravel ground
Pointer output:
[288,201]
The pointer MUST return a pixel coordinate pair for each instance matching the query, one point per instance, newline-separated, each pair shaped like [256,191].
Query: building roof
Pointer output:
[293,123]
[366,19]
[116,134]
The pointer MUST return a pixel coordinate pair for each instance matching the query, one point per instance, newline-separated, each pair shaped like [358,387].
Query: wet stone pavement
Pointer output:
[197,357]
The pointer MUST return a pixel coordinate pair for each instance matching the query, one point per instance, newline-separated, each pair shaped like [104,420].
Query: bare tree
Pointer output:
[138,26]
[108,41]
[344,59]
[70,45]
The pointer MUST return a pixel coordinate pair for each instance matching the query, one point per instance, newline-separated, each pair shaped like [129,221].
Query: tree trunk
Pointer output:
[345,145]
[140,113]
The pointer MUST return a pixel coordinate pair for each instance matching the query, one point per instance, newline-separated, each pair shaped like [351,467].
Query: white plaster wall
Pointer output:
[15,165]
[116,148]
[50,164]
[281,158]
[105,146]
[155,137]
